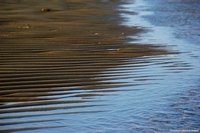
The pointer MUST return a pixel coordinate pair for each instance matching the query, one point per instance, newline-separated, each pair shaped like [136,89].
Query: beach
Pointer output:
[37,45]
[73,66]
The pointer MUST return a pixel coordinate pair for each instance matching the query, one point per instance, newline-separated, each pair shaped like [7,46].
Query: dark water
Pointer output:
[105,94]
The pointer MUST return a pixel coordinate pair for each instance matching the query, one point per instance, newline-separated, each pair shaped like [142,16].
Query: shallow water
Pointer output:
[182,112]
[105,92]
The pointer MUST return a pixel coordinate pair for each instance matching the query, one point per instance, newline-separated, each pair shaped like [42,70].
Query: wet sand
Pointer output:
[66,46]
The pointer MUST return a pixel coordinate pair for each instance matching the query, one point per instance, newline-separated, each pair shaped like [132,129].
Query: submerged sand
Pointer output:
[63,48]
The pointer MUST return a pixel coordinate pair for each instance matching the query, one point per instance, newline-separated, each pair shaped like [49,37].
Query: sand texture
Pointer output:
[54,45]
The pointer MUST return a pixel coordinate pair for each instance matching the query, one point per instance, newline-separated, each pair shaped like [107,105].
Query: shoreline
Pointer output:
[38,48]
[38,45]
[78,67]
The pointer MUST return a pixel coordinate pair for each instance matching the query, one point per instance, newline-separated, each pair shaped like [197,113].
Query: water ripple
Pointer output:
[94,83]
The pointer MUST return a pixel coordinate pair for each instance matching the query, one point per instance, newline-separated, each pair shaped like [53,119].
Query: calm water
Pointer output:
[142,94]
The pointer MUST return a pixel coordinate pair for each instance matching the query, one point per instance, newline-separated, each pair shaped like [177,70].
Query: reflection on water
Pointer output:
[180,105]
[111,86]
[72,97]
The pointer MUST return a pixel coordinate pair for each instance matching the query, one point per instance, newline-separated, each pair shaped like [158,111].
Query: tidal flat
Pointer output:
[73,66]
[41,50]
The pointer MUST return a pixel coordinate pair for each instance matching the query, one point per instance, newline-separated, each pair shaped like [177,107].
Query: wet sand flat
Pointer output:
[66,46]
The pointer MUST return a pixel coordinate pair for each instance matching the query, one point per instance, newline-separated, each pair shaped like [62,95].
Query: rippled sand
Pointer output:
[67,46]
[45,56]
